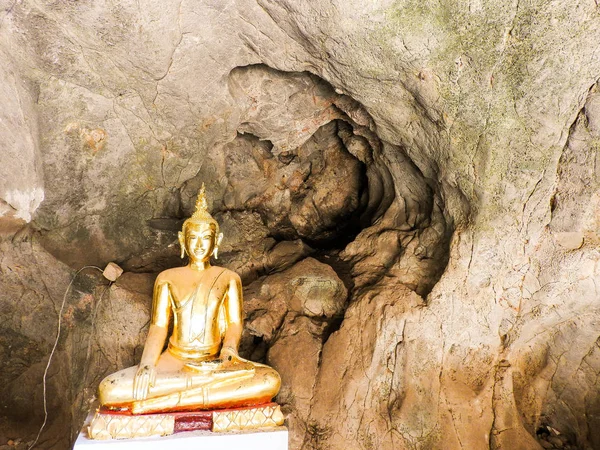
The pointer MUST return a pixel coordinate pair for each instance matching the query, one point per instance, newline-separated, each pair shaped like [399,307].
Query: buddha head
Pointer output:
[199,237]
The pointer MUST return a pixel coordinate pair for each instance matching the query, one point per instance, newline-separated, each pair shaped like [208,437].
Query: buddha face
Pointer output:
[200,241]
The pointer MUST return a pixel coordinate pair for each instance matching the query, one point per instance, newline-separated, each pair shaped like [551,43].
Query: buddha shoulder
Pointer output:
[176,274]
[227,275]
[170,275]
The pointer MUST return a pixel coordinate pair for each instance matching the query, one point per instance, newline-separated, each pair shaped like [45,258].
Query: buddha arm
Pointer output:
[233,308]
[157,334]
[159,323]
[154,345]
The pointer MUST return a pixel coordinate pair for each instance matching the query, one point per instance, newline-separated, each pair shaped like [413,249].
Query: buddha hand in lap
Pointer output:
[201,368]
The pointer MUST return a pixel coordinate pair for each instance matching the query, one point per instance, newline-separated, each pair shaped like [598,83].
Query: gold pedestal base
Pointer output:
[118,426]
[111,425]
[247,418]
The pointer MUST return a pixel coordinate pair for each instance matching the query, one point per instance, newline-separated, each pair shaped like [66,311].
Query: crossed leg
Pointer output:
[177,388]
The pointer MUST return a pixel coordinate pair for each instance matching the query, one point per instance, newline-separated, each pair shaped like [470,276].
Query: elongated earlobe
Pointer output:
[218,240]
[181,244]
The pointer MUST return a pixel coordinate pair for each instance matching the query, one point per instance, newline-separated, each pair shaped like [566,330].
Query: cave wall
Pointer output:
[408,191]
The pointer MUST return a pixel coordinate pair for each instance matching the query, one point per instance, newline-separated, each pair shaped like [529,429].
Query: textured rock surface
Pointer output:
[428,170]
[21,184]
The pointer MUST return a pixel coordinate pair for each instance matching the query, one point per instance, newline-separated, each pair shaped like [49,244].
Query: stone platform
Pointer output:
[251,428]
[109,424]
[273,439]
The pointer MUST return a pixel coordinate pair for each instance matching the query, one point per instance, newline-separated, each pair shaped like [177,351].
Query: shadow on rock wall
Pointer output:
[417,234]
[320,218]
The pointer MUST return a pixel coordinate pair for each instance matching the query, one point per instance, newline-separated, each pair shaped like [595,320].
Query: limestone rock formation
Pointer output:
[409,191]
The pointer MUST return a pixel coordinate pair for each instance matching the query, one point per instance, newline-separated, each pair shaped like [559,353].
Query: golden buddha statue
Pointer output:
[201,368]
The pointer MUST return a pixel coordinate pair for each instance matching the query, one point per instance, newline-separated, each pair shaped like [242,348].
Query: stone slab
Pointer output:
[275,439]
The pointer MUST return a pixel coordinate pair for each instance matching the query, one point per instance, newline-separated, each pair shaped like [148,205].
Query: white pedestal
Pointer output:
[276,439]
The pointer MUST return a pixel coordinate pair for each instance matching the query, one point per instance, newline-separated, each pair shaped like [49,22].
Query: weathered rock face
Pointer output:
[409,192]
[21,185]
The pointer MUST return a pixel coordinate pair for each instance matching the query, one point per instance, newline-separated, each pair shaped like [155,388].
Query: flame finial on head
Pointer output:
[201,213]
[200,216]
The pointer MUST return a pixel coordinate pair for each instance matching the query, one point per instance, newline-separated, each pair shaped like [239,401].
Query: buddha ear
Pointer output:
[217,243]
[180,236]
